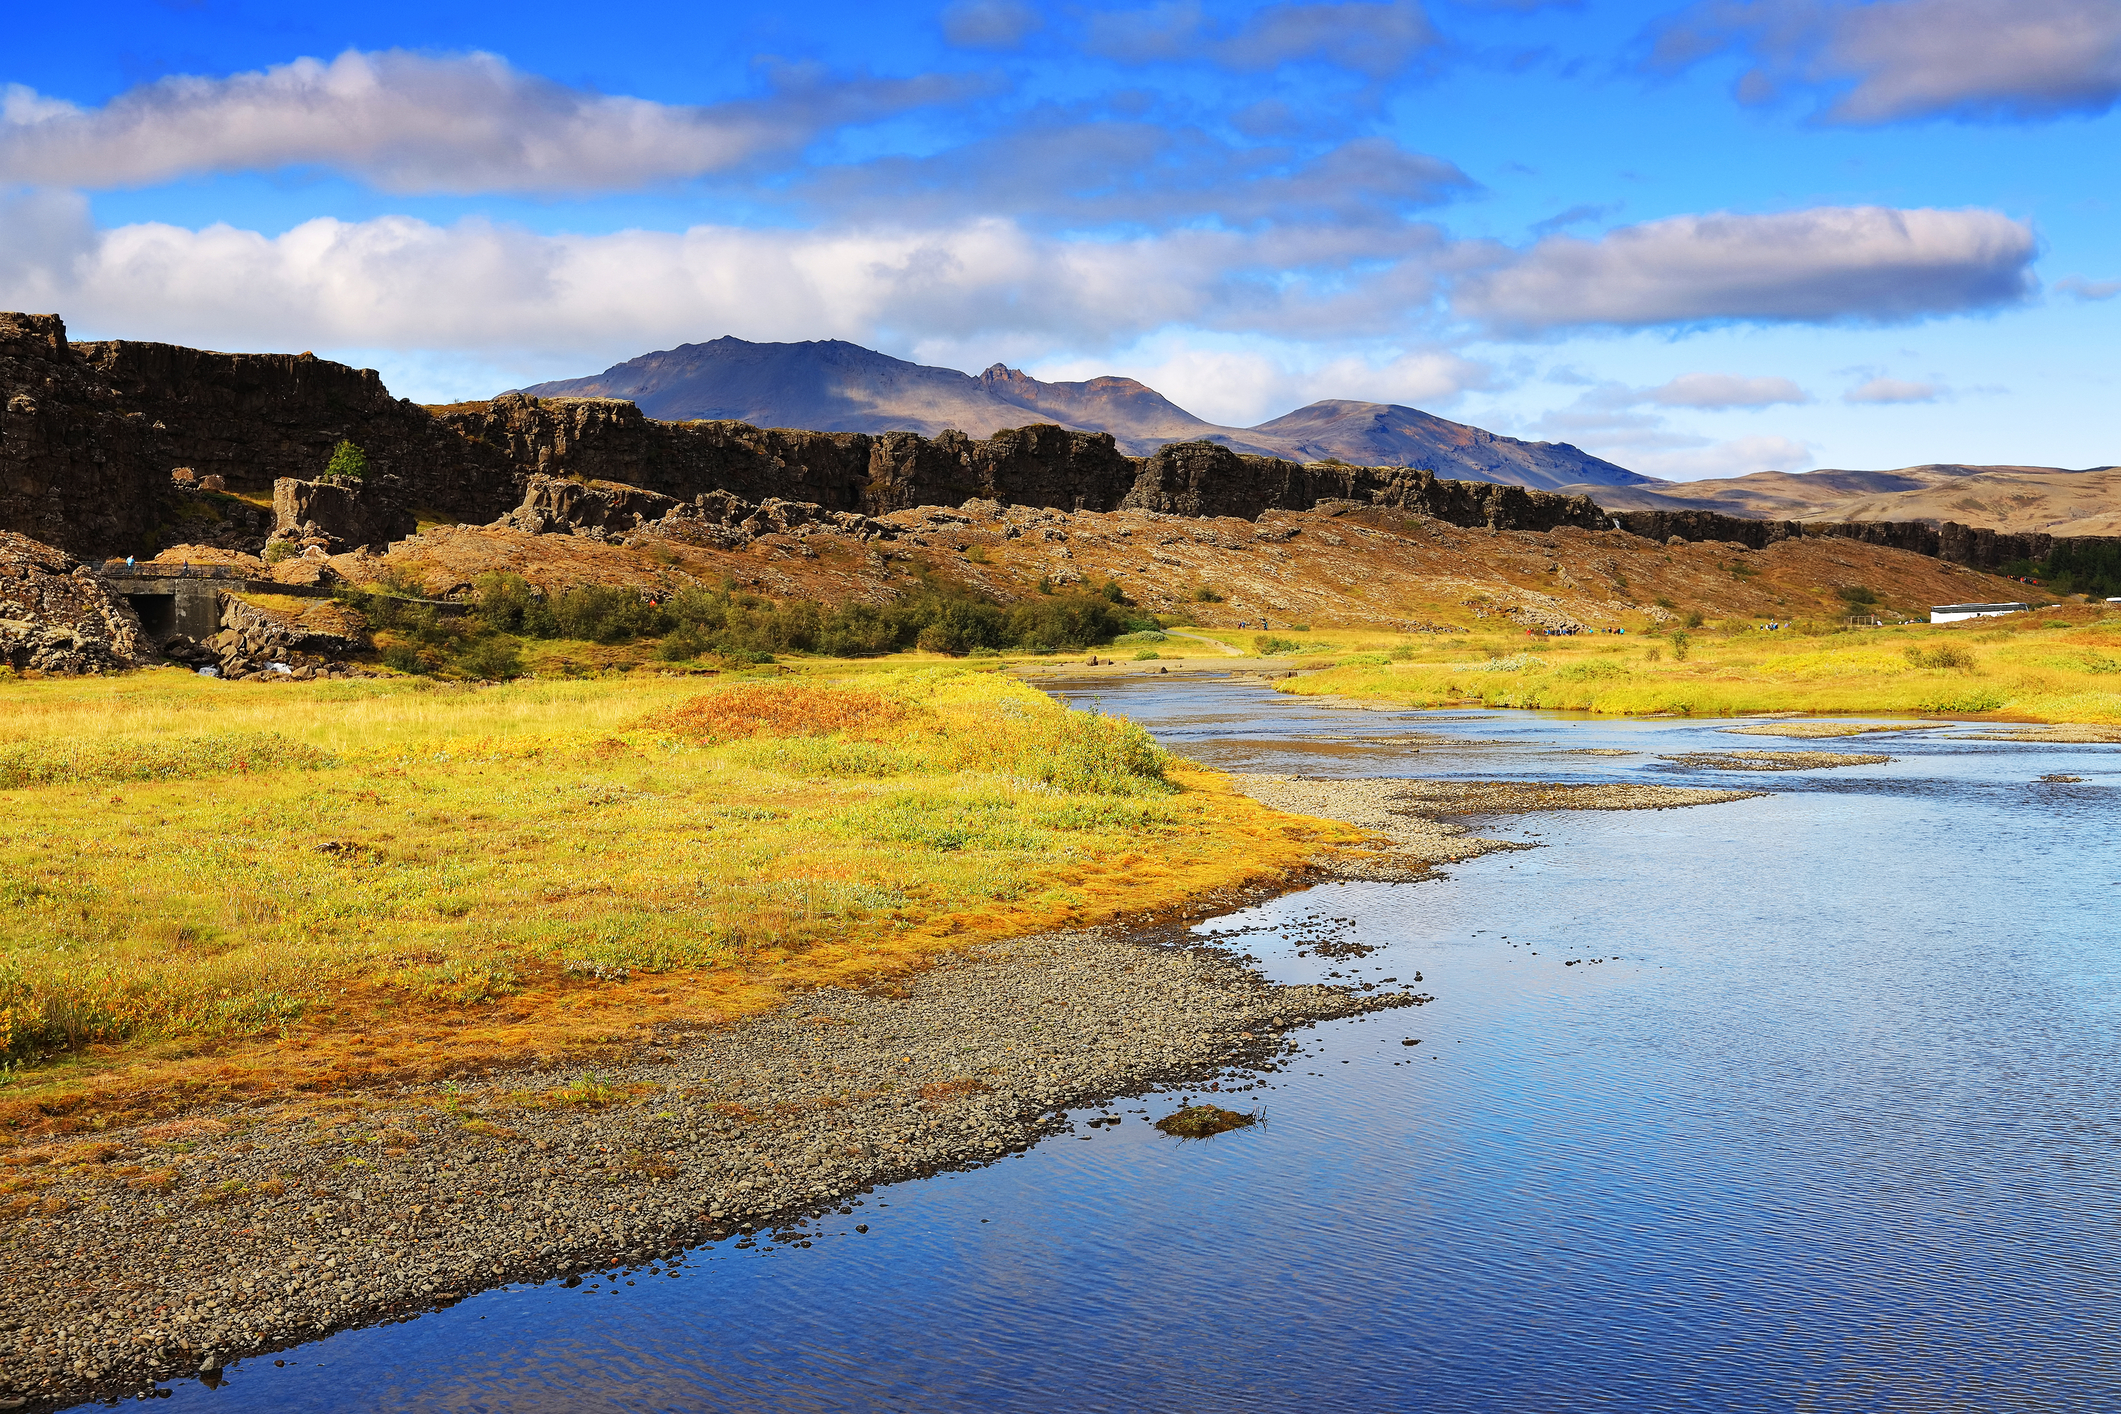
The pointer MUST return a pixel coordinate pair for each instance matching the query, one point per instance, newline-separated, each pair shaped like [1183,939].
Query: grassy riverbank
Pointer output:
[2061,665]
[215,888]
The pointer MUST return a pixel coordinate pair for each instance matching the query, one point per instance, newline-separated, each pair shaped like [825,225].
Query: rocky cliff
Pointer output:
[90,435]
[1972,546]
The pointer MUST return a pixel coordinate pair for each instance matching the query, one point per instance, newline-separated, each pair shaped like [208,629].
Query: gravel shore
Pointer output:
[1408,814]
[175,1249]
[2064,732]
[1803,731]
[1775,760]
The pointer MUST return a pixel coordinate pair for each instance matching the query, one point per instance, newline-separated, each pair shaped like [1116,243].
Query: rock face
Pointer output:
[56,617]
[1207,479]
[610,511]
[77,468]
[253,418]
[341,515]
[1975,548]
[91,435]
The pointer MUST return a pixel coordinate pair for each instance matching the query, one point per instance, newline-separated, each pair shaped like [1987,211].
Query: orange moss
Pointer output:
[784,709]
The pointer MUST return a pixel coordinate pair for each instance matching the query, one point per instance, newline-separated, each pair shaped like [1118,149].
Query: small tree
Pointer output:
[348,462]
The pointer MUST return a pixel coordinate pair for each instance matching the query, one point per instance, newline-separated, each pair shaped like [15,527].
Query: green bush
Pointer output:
[1205,595]
[277,551]
[348,463]
[405,657]
[698,622]
[491,657]
[1269,646]
[1857,596]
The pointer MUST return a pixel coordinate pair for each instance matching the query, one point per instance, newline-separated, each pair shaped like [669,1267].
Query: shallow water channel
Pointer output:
[1831,1124]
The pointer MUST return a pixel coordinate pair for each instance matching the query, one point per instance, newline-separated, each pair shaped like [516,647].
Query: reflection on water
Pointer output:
[1830,1123]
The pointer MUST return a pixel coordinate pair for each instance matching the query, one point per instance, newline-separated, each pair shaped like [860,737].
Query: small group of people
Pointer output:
[1567,632]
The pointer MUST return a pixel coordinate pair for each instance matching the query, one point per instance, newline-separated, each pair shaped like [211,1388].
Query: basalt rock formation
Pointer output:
[1971,546]
[611,511]
[341,515]
[56,617]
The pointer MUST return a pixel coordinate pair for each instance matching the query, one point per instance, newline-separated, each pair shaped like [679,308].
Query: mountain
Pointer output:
[2007,498]
[1385,434]
[832,386]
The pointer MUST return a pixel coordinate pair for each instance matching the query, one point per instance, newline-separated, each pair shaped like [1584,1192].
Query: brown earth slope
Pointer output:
[1341,567]
[2006,498]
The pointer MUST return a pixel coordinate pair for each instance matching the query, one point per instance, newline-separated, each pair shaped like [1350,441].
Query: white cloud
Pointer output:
[2085,289]
[475,285]
[413,123]
[1828,263]
[1376,40]
[1891,390]
[1892,60]
[497,290]
[989,24]
[1725,390]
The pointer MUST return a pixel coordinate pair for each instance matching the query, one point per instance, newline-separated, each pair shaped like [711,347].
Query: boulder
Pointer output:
[338,515]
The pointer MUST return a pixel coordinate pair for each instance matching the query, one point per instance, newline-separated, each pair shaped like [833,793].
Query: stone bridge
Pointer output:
[187,599]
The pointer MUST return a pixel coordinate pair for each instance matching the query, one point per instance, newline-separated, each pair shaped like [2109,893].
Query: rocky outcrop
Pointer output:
[1207,479]
[341,515]
[1974,547]
[606,510]
[57,617]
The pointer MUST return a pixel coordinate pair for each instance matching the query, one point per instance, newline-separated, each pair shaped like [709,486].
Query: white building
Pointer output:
[1952,613]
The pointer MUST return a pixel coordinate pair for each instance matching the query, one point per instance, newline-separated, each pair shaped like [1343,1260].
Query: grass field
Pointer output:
[212,888]
[2058,665]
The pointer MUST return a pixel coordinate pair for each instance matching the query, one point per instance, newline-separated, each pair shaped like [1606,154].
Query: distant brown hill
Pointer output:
[833,386]
[2052,499]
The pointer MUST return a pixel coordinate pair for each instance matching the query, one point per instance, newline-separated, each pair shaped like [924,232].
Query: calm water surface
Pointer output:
[1833,1123]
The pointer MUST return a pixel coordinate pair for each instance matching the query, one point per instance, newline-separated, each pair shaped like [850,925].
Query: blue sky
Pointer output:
[1701,237]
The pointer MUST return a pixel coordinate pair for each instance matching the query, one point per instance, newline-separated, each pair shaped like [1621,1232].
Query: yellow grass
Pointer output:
[209,888]
[2053,666]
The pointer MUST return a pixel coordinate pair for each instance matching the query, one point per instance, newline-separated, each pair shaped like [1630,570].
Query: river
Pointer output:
[1822,1116]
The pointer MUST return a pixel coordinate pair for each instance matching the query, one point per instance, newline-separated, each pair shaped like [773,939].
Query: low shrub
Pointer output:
[1948,655]
[492,657]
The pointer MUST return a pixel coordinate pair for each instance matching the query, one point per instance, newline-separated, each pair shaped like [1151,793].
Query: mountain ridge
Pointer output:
[830,385]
